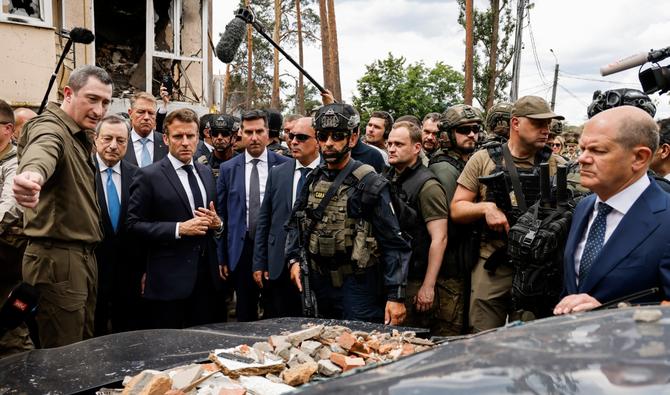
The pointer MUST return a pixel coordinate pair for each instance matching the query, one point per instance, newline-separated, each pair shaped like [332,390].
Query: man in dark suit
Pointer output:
[119,267]
[240,190]
[147,145]
[167,209]
[280,297]
[618,241]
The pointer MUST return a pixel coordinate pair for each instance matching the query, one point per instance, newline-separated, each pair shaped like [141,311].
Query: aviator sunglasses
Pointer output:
[300,137]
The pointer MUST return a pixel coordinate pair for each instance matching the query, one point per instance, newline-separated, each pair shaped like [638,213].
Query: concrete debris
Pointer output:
[647,315]
[285,361]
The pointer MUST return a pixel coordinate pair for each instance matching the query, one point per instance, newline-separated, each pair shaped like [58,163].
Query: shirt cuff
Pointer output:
[396,293]
[176,231]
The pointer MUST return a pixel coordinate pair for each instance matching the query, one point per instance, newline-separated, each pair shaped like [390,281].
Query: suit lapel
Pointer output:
[126,180]
[159,147]
[130,153]
[287,178]
[633,229]
[208,182]
[102,198]
[239,181]
[173,179]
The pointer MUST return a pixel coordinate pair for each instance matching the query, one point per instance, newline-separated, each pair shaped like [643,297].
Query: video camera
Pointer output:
[653,79]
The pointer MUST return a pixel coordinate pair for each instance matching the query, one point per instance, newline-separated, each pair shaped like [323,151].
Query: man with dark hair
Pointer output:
[172,208]
[240,192]
[205,146]
[275,123]
[147,144]
[120,267]
[430,134]
[377,131]
[660,163]
[12,242]
[426,296]
[618,241]
[56,179]
[350,233]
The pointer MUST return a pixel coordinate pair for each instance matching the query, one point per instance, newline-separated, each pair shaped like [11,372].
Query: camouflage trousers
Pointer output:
[66,276]
[446,316]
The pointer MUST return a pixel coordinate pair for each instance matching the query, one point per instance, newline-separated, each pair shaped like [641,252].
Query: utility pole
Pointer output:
[518,42]
[553,91]
[469,43]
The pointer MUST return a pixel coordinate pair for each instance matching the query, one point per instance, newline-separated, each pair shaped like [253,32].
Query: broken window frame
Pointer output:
[45,19]
[152,53]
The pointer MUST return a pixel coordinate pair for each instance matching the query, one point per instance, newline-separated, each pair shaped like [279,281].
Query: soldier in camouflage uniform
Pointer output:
[222,130]
[497,122]
[357,258]
[460,129]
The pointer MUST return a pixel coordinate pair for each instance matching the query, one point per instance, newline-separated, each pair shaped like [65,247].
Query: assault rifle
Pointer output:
[309,305]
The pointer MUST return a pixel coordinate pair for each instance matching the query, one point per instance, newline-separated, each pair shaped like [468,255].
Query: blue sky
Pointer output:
[584,35]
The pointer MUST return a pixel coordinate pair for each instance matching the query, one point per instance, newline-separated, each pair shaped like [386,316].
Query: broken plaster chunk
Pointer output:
[263,346]
[261,385]
[323,353]
[346,340]
[327,368]
[183,377]
[300,355]
[331,332]
[347,363]
[310,347]
[647,315]
[299,374]
[296,338]
[337,349]
[276,340]
[148,383]
[283,350]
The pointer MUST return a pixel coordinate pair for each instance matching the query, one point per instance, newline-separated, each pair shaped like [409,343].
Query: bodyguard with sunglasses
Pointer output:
[357,258]
[222,130]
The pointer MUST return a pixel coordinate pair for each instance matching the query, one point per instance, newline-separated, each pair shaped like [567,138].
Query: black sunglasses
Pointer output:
[217,133]
[336,136]
[300,137]
[468,129]
[556,144]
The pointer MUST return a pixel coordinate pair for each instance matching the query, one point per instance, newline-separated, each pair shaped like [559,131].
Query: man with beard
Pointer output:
[490,299]
[222,131]
[377,131]
[430,134]
[343,218]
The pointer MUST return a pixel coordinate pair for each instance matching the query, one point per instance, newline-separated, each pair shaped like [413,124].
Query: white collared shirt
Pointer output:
[262,175]
[296,175]
[620,203]
[183,178]
[116,176]
[137,146]
[667,176]
[209,146]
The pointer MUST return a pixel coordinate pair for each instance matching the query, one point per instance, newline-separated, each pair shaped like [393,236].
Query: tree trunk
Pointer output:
[300,90]
[325,45]
[334,52]
[274,101]
[469,52]
[493,56]
[250,64]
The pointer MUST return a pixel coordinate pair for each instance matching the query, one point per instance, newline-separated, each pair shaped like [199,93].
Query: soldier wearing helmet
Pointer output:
[344,228]
[497,121]
[221,129]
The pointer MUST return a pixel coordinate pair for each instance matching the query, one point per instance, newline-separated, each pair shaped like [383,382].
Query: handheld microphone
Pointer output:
[21,304]
[635,60]
[231,39]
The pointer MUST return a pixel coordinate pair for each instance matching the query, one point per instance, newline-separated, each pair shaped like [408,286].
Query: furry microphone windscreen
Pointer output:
[231,39]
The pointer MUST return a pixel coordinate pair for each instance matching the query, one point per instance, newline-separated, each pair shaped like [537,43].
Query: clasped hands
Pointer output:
[204,220]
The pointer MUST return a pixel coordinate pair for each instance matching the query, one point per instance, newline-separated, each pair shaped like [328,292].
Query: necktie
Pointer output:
[594,241]
[304,171]
[193,184]
[146,158]
[113,203]
[254,197]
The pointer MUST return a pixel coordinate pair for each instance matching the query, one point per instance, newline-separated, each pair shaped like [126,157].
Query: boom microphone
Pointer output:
[81,35]
[635,60]
[231,39]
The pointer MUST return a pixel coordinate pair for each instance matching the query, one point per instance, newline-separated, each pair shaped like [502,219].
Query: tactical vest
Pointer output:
[458,164]
[530,177]
[337,236]
[405,197]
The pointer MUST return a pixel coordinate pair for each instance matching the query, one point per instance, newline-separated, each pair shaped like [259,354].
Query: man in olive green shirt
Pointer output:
[55,182]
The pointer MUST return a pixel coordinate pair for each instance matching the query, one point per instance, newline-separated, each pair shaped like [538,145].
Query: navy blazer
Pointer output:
[232,206]
[635,257]
[160,149]
[157,202]
[275,211]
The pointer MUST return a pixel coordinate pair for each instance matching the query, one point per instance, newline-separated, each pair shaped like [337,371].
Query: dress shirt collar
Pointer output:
[135,136]
[103,167]
[263,156]
[667,176]
[209,146]
[624,200]
[315,163]
[176,163]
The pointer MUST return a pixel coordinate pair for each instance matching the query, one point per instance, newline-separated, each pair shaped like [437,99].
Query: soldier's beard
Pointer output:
[337,156]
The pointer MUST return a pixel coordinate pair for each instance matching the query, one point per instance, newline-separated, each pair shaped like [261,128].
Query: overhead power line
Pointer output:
[575,77]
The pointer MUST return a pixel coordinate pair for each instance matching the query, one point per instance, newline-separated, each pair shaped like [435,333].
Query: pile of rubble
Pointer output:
[282,363]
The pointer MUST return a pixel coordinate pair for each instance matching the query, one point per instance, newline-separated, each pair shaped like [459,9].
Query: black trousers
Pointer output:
[246,290]
[281,297]
[200,308]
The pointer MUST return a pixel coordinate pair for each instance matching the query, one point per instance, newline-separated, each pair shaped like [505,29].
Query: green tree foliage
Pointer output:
[412,89]
[484,33]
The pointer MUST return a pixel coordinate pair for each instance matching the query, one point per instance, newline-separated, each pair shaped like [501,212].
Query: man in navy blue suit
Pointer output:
[240,191]
[280,297]
[146,144]
[171,207]
[618,242]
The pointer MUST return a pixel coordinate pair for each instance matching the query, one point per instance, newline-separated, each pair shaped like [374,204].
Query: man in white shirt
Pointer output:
[146,144]
[280,297]
[618,241]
